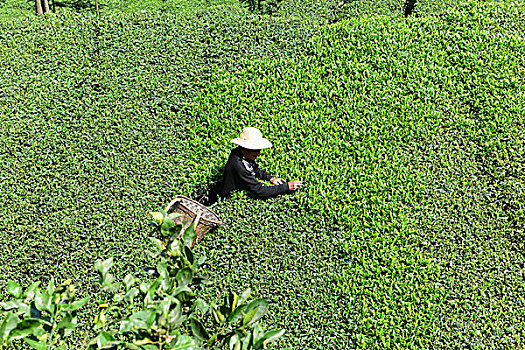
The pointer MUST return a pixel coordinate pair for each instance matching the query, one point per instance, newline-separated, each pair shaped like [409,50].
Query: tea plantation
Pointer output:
[408,133]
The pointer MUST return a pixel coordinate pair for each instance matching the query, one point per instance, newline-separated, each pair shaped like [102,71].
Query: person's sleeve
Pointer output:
[263,175]
[250,183]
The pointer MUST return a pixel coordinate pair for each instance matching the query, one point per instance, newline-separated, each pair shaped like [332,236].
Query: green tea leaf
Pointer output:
[167,224]
[68,322]
[175,316]
[9,322]
[184,277]
[51,286]
[30,291]
[235,343]
[185,342]
[26,327]
[43,302]
[268,338]
[103,266]
[139,319]
[237,314]
[14,289]
[157,243]
[129,281]
[232,300]
[189,235]
[260,306]
[202,306]
[183,293]
[36,344]
[16,304]
[157,216]
[245,295]
[103,338]
[151,320]
[19,334]
[198,330]
[77,304]
[248,317]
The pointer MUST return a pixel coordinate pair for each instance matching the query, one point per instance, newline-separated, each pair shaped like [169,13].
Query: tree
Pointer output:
[41,6]
[409,7]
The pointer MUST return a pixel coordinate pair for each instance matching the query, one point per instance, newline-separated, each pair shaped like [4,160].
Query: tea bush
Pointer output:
[11,9]
[91,125]
[162,311]
[408,133]
[410,144]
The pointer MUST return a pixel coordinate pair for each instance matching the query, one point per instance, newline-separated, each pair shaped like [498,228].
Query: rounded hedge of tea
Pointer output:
[91,129]
[408,135]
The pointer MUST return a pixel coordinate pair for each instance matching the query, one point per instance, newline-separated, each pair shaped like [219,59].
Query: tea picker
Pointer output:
[242,172]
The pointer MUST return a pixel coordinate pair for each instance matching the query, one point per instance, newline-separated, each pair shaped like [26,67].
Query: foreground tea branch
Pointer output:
[162,312]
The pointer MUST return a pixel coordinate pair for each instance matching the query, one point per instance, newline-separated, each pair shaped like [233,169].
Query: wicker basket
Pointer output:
[205,220]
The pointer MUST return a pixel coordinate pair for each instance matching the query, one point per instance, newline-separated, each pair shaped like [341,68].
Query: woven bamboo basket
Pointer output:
[204,219]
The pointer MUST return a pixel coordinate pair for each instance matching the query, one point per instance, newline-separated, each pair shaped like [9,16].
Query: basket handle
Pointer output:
[195,225]
[196,221]
[188,224]
[177,199]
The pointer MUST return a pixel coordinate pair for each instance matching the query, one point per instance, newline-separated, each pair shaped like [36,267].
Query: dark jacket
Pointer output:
[241,173]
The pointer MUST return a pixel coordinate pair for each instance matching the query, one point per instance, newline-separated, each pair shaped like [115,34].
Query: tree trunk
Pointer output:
[41,6]
[38,6]
[96,6]
[409,7]
[45,6]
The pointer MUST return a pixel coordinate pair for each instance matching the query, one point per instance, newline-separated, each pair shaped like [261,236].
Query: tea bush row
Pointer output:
[393,243]
[91,129]
[409,231]
[507,14]
[12,9]
[161,312]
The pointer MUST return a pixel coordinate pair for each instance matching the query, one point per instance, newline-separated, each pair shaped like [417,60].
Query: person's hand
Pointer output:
[276,181]
[294,185]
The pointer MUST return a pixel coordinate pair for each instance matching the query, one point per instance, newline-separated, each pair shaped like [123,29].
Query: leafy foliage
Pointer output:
[42,318]
[13,9]
[367,119]
[262,6]
[409,7]
[141,314]
[99,130]
[155,314]
[408,133]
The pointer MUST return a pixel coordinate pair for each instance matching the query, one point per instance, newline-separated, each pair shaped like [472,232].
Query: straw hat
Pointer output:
[251,138]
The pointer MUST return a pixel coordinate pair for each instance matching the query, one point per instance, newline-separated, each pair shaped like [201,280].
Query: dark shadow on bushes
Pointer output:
[268,7]
[78,5]
[207,193]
